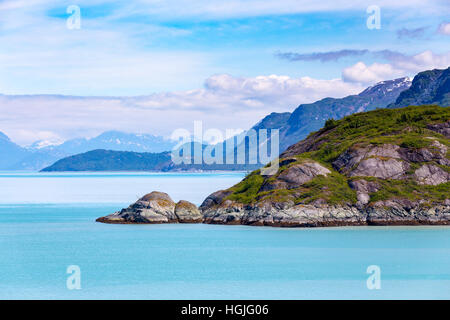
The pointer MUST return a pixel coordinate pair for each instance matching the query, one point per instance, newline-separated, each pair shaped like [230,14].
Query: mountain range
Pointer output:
[42,154]
[428,87]
[310,117]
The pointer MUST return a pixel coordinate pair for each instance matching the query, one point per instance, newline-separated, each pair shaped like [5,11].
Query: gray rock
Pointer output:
[363,188]
[431,175]
[296,175]
[214,198]
[385,151]
[188,212]
[442,128]
[349,159]
[288,215]
[155,207]
[304,172]
[390,212]
[407,212]
[436,152]
[381,168]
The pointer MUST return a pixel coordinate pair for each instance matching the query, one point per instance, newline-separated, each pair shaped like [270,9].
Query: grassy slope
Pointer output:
[406,127]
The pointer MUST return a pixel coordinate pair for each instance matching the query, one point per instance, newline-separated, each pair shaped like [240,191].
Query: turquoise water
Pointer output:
[51,226]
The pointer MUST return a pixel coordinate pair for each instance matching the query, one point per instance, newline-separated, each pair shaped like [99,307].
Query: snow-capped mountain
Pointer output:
[43,153]
[117,141]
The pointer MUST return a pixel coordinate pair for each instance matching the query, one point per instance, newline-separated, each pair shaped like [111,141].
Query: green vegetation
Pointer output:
[247,190]
[380,126]
[330,124]
[333,188]
[415,142]
[406,127]
[408,189]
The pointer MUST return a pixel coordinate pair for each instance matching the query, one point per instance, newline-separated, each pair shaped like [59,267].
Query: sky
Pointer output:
[152,66]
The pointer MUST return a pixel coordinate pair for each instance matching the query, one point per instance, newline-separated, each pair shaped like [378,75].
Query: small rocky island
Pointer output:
[156,207]
[384,167]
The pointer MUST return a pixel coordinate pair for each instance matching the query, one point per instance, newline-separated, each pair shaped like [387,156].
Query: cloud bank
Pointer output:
[444,28]
[396,64]
[224,102]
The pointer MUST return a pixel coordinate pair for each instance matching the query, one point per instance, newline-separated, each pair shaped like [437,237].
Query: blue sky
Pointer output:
[193,53]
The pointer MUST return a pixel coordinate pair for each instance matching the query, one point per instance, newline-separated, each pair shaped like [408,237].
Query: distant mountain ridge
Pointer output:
[107,160]
[10,152]
[117,141]
[428,87]
[307,118]
[42,154]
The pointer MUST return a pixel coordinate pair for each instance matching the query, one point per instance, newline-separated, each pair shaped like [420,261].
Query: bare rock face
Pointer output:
[155,207]
[442,128]
[363,189]
[385,151]
[381,168]
[188,212]
[296,175]
[214,198]
[436,152]
[383,161]
[431,175]
[299,174]
[349,159]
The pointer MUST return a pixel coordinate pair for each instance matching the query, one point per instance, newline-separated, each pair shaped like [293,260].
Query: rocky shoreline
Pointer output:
[322,215]
[158,207]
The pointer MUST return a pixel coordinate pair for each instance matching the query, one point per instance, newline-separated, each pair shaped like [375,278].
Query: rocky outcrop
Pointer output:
[431,174]
[363,188]
[381,168]
[156,207]
[214,198]
[403,181]
[296,175]
[442,128]
[188,212]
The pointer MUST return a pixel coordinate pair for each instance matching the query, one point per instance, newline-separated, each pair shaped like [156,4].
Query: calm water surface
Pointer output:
[47,222]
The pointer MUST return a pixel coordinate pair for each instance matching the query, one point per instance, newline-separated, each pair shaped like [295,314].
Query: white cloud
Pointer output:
[444,28]
[225,102]
[399,65]
[362,73]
